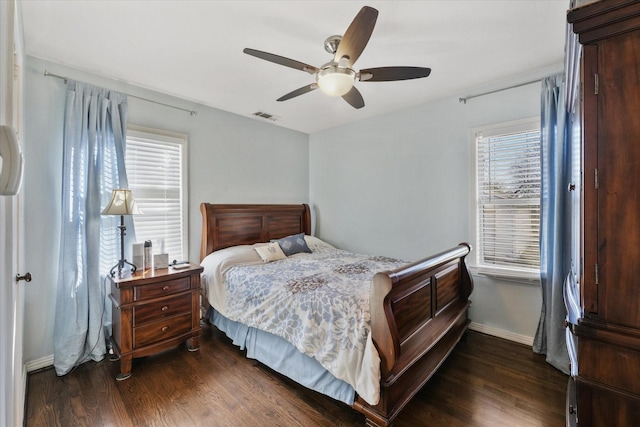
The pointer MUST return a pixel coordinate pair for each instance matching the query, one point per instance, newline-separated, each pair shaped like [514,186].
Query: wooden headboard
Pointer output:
[231,225]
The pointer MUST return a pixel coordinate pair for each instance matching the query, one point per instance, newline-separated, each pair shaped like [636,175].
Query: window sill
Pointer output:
[525,277]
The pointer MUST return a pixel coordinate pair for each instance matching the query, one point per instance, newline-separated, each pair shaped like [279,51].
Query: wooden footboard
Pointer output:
[418,315]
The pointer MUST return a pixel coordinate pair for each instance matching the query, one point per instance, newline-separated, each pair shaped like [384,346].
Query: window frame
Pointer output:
[518,274]
[165,136]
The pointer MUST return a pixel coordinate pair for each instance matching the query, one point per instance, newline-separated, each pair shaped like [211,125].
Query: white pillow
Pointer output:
[270,252]
[315,243]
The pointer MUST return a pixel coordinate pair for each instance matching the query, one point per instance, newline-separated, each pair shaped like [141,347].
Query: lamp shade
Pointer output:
[121,203]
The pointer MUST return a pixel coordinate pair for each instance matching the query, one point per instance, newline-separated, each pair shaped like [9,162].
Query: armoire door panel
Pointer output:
[618,180]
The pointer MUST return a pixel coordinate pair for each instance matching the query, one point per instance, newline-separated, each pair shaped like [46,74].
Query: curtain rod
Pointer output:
[191,112]
[464,100]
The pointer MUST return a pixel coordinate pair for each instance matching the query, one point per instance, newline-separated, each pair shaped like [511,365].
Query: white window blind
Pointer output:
[156,171]
[508,197]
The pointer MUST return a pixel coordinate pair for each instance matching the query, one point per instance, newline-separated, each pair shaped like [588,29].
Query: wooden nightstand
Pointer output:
[153,311]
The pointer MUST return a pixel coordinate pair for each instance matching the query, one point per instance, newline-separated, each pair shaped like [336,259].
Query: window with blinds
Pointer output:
[156,170]
[507,207]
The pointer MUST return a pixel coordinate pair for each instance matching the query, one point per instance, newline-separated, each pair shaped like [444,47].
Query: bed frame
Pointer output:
[418,312]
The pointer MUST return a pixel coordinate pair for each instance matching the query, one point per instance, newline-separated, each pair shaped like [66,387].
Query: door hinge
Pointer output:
[595,178]
[597,281]
[596,83]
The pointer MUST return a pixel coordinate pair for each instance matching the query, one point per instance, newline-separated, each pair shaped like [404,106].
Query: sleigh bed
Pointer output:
[418,311]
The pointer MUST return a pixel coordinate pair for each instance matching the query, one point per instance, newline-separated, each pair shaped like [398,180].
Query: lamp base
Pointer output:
[120,266]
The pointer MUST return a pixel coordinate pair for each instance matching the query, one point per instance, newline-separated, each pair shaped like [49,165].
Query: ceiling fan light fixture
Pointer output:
[335,81]
[337,77]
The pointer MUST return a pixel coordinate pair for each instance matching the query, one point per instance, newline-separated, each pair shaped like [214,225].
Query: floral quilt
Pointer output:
[318,302]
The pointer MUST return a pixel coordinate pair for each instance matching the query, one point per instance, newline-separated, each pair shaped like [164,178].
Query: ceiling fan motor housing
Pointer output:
[331,44]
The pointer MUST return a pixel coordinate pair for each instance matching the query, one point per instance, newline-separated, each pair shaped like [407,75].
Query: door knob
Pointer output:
[26,277]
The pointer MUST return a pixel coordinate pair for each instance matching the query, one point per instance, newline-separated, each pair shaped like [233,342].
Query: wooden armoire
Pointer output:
[607,386]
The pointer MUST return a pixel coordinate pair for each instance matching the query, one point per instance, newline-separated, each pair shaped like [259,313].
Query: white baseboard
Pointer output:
[47,361]
[522,339]
[43,362]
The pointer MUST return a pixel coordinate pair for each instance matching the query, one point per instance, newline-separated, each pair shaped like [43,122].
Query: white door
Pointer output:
[12,373]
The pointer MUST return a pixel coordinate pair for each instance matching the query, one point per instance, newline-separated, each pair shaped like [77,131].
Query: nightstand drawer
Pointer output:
[167,287]
[162,330]
[146,313]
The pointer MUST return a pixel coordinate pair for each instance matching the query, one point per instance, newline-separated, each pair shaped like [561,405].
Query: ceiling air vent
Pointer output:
[265,116]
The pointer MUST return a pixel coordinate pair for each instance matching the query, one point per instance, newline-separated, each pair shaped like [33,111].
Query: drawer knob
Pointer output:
[165,308]
[165,288]
[165,328]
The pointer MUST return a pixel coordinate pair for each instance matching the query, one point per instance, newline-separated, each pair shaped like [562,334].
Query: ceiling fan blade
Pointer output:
[298,92]
[388,74]
[354,98]
[281,60]
[357,35]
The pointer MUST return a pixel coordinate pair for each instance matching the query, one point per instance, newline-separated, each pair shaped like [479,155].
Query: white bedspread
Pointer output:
[318,302]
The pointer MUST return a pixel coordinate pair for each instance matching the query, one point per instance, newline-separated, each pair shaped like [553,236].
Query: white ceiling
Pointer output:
[193,49]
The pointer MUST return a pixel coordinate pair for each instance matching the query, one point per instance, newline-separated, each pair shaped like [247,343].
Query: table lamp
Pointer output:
[121,203]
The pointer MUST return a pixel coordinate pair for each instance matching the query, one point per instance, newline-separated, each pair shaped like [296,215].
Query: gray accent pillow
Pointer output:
[293,244]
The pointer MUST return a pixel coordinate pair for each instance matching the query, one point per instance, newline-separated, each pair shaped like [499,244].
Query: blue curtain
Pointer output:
[555,222]
[93,165]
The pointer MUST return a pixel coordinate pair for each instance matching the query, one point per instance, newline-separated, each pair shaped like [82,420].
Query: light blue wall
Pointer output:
[399,185]
[395,185]
[232,159]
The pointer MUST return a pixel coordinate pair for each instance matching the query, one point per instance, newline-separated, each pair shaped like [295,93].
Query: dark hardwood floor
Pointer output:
[486,381]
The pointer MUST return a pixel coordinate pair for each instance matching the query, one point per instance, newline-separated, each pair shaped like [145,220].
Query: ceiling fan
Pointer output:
[337,77]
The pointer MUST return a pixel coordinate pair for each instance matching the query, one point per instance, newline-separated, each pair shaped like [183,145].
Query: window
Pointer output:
[156,169]
[507,199]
